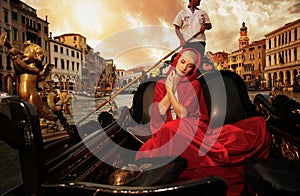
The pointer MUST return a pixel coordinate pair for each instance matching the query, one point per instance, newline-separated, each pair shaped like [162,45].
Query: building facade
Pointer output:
[254,63]
[283,54]
[21,23]
[236,61]
[220,60]
[67,61]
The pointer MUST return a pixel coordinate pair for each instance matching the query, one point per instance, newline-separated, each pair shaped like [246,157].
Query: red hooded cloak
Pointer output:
[223,151]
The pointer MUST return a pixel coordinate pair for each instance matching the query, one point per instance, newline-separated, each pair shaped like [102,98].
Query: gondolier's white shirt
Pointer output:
[190,23]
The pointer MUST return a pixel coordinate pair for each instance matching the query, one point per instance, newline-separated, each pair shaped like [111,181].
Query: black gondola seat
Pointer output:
[280,173]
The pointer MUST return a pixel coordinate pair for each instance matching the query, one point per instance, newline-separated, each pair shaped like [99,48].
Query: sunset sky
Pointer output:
[140,32]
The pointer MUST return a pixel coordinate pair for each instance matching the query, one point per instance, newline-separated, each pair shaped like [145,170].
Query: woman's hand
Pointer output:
[172,81]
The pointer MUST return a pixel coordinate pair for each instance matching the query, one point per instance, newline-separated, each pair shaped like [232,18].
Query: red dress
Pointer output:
[221,152]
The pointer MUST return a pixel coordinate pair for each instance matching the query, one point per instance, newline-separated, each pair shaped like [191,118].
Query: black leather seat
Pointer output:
[273,176]
[279,174]
[226,97]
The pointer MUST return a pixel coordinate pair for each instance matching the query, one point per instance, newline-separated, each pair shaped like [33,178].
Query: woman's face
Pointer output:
[184,66]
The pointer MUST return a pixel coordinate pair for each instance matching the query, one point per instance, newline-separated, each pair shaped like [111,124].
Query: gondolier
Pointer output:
[189,21]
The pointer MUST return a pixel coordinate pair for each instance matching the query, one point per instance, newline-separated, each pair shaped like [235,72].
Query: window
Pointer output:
[23,37]
[72,53]
[62,61]
[15,34]
[23,19]
[55,62]
[68,64]
[14,16]
[55,48]
[73,65]
[61,50]
[67,51]
[5,16]
[8,63]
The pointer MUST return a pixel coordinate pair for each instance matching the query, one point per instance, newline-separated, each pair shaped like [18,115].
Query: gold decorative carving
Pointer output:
[289,151]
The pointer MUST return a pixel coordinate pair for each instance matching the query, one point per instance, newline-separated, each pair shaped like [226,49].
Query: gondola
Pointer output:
[76,165]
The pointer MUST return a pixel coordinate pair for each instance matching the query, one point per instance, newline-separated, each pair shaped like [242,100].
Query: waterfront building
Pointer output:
[78,41]
[249,60]
[236,61]
[220,60]
[108,78]
[283,54]
[254,63]
[95,70]
[237,57]
[67,61]
[21,23]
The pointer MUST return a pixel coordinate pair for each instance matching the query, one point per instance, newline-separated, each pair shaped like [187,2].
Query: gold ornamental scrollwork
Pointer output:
[263,110]
[289,151]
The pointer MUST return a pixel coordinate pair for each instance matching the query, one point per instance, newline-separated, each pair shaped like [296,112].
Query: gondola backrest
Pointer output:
[142,100]
[226,97]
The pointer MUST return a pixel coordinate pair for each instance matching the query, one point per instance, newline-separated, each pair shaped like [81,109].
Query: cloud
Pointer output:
[295,9]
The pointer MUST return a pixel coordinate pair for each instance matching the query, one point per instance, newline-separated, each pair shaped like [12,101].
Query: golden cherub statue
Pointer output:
[29,64]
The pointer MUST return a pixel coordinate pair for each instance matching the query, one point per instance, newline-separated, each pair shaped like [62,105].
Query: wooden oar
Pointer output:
[133,81]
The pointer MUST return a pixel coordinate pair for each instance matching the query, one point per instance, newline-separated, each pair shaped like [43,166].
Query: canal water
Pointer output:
[82,107]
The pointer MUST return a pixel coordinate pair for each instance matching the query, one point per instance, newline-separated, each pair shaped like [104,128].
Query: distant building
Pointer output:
[78,41]
[254,63]
[249,60]
[67,61]
[220,60]
[95,68]
[244,39]
[236,61]
[95,74]
[283,54]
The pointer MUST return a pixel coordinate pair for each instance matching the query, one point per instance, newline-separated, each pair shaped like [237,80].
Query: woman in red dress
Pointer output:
[180,126]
